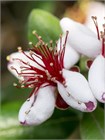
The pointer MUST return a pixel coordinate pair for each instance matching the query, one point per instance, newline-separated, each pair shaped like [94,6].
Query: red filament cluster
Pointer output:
[49,72]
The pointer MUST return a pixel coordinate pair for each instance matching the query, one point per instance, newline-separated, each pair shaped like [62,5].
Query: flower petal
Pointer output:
[84,107]
[39,108]
[95,9]
[77,86]
[96,78]
[17,64]
[81,38]
[71,56]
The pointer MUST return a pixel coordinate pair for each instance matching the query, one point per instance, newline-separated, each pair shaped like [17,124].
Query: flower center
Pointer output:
[51,69]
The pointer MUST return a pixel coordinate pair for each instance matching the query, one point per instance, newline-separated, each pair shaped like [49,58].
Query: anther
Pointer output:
[19,49]
[22,86]
[28,99]
[31,86]
[68,94]
[51,49]
[46,44]
[14,84]
[8,58]
[79,102]
[60,72]
[64,83]
[41,76]
[36,80]
[31,52]
[34,32]
[51,64]
[51,41]
[53,79]
[20,81]
[30,43]
[27,111]
[40,37]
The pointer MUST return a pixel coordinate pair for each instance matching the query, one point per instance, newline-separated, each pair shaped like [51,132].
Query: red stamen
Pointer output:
[96,25]
[103,40]
[103,46]
[53,63]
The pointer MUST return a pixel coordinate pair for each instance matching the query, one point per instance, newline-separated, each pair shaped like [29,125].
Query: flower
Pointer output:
[81,38]
[95,8]
[43,70]
[96,76]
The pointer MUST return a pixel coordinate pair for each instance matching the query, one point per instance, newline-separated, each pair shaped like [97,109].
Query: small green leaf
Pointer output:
[59,126]
[45,24]
[92,125]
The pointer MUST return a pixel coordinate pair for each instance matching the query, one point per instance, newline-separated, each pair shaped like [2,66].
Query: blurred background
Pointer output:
[14,16]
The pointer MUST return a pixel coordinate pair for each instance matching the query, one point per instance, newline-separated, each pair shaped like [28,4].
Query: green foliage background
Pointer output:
[63,124]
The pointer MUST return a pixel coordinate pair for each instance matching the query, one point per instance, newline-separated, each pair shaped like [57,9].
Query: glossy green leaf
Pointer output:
[59,126]
[11,93]
[92,125]
[45,24]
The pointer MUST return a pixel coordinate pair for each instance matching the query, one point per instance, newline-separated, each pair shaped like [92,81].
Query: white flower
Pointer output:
[81,38]
[95,8]
[42,69]
[96,75]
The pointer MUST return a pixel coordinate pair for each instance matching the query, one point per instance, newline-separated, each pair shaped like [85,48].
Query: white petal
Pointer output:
[71,56]
[96,78]
[72,102]
[17,64]
[81,38]
[78,87]
[95,9]
[42,108]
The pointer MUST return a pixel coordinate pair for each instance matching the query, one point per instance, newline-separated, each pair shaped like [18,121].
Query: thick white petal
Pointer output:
[25,107]
[72,102]
[96,78]
[17,64]
[78,87]
[42,108]
[95,9]
[71,56]
[81,38]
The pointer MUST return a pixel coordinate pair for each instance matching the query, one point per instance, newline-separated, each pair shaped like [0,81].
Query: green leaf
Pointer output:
[11,93]
[92,125]
[59,126]
[45,24]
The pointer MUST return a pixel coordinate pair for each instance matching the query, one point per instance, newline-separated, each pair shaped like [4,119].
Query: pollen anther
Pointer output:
[14,84]
[27,111]
[30,43]
[8,58]
[51,64]
[19,49]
